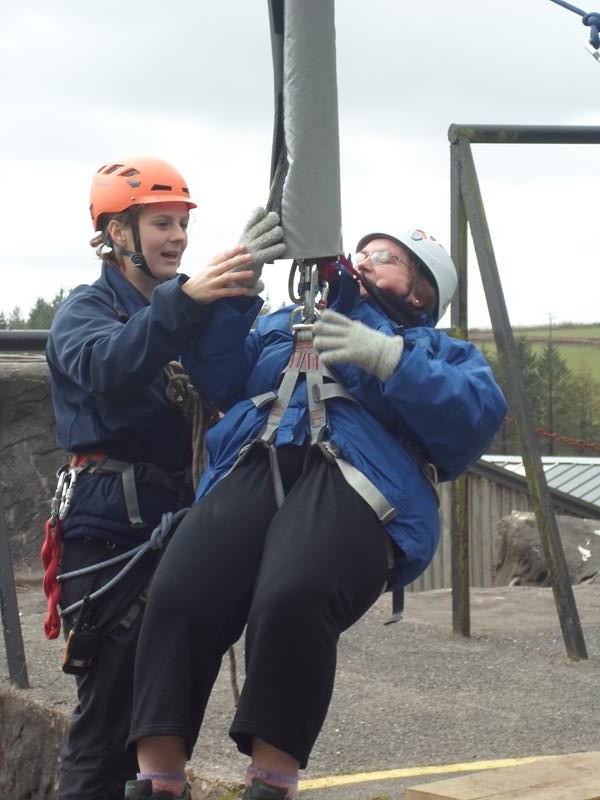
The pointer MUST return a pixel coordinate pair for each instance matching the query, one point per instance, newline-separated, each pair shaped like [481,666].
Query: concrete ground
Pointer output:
[413,702]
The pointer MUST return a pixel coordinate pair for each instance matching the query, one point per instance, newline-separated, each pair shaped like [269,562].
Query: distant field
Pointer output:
[579,346]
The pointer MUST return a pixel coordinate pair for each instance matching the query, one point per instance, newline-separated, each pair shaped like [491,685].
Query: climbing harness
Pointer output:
[592,20]
[316,281]
[321,385]
[181,393]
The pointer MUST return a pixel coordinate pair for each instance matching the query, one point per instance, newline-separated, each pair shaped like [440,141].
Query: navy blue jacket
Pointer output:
[106,348]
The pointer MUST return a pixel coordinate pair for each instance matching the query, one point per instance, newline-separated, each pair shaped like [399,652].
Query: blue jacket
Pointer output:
[441,400]
[106,348]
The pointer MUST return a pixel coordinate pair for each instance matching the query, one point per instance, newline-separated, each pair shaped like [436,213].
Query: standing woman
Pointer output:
[129,447]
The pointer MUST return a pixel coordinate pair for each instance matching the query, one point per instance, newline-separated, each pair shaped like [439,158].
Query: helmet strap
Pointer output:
[397,309]
[137,257]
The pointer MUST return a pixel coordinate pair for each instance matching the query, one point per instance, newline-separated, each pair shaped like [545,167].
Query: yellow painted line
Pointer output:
[332,781]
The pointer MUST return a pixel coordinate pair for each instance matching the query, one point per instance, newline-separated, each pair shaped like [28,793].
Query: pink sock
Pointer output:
[280,779]
[173,782]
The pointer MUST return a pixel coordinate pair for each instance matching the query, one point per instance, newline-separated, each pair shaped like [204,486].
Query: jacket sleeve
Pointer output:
[445,393]
[105,356]
[224,353]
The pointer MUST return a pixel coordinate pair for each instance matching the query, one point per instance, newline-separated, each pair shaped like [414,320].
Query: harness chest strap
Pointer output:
[305,361]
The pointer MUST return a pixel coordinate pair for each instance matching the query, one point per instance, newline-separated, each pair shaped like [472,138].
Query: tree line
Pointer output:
[39,318]
[565,403]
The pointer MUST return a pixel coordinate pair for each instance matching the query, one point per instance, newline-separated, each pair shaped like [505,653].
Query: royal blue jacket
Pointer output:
[106,348]
[441,400]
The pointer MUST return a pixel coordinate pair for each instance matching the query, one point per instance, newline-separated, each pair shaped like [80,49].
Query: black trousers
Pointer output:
[95,762]
[297,576]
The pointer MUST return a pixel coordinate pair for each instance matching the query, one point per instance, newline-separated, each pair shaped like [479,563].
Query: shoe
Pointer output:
[259,790]
[142,790]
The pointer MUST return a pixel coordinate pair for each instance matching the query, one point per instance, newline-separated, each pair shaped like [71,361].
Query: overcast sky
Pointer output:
[83,83]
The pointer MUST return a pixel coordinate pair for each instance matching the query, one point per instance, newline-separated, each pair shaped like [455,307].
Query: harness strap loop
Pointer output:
[365,488]
[278,490]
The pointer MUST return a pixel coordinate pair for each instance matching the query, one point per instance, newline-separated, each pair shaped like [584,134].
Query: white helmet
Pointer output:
[430,253]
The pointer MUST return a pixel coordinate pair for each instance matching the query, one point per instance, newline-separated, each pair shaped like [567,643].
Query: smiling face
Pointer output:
[163,236]
[162,229]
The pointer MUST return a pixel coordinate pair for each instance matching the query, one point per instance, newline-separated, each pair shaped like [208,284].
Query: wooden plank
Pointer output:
[571,777]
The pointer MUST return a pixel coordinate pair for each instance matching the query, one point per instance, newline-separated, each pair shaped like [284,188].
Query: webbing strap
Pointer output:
[281,403]
[273,463]
[365,488]
[127,473]
[131,497]
[303,361]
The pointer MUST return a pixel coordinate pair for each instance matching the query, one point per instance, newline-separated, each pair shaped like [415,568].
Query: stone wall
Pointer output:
[30,741]
[29,457]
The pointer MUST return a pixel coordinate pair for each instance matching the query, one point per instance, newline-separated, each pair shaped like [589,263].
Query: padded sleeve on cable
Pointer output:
[305,162]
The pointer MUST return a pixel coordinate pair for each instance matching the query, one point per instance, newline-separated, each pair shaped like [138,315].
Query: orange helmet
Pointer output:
[118,185]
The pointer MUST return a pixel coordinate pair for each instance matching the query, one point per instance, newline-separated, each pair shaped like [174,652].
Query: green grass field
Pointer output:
[577,356]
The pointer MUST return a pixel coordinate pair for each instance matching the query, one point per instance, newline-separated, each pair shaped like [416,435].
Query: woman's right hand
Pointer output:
[215,280]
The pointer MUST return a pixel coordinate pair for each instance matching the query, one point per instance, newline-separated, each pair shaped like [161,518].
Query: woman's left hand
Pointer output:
[339,339]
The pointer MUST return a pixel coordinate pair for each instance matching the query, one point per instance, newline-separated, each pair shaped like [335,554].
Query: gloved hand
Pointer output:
[337,338]
[263,237]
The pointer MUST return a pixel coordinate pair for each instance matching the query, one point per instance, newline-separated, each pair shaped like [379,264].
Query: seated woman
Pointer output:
[319,494]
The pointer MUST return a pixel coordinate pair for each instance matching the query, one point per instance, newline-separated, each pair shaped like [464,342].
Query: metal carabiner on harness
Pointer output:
[314,284]
[68,487]
[63,495]
[59,493]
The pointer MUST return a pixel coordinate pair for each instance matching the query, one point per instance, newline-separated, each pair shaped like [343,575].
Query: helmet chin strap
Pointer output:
[136,256]
[137,259]
[397,308]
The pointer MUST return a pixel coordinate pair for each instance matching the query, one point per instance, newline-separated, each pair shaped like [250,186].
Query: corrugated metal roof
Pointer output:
[579,477]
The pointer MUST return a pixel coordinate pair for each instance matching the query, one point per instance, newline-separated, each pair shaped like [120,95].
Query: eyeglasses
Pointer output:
[379,257]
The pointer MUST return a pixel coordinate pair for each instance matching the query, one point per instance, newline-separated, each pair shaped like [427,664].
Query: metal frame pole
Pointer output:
[13,638]
[536,479]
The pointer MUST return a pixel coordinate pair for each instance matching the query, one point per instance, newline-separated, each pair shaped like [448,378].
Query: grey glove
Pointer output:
[337,338]
[263,237]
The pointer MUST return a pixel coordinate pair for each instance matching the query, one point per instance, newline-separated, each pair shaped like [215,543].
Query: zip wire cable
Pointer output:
[592,20]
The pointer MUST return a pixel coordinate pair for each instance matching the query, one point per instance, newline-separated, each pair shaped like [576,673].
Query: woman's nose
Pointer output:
[177,233]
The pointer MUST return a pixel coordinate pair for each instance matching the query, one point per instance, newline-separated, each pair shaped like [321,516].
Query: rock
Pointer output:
[30,743]
[29,460]
[519,556]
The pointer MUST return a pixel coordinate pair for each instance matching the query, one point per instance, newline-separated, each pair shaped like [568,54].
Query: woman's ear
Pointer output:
[117,232]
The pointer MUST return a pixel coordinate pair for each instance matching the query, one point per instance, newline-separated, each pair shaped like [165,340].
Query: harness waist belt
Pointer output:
[144,471]
[131,473]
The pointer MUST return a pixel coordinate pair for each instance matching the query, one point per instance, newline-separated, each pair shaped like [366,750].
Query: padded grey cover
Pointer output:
[305,169]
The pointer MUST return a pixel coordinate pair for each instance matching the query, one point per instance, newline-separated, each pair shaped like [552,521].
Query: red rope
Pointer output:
[560,437]
[50,554]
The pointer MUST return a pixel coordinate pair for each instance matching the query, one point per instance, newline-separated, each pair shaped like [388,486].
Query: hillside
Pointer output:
[578,345]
